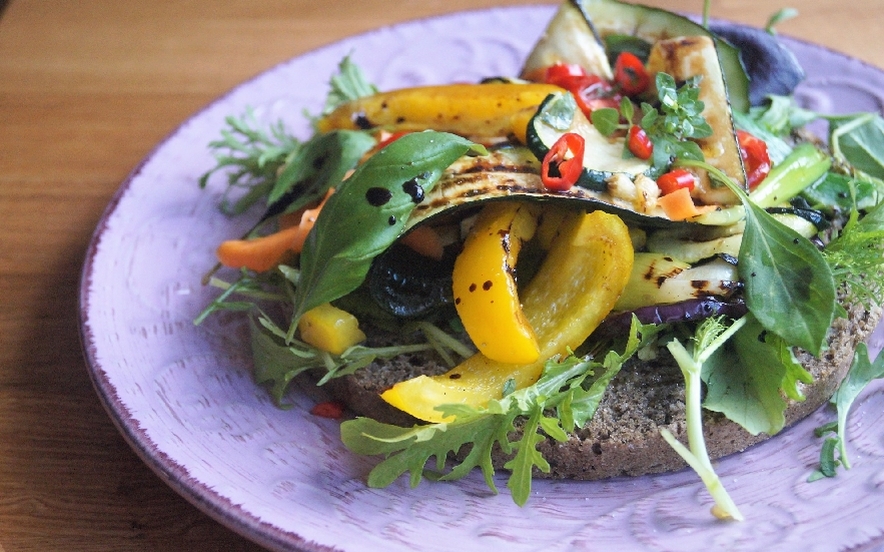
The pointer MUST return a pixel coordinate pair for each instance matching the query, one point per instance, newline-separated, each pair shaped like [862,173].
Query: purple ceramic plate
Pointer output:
[184,398]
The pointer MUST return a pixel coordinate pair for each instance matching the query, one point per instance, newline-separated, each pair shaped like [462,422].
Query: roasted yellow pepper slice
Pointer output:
[484,284]
[472,110]
[584,273]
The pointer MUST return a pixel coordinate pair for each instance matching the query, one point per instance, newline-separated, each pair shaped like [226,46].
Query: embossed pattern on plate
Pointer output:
[183,396]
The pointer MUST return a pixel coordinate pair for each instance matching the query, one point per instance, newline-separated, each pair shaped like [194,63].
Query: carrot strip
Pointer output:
[262,254]
[678,205]
[426,241]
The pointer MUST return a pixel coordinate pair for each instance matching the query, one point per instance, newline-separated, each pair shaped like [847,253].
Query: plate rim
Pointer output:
[175,475]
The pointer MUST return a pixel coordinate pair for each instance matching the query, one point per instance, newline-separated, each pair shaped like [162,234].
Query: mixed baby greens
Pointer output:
[790,285]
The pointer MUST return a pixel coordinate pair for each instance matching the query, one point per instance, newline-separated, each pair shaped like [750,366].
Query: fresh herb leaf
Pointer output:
[778,17]
[321,163]
[788,285]
[862,372]
[748,391]
[678,121]
[561,385]
[606,120]
[347,85]
[709,337]
[860,141]
[369,212]
[252,156]
[856,256]
[277,362]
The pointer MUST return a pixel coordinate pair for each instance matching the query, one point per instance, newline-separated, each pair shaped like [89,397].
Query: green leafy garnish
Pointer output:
[278,362]
[709,337]
[368,213]
[789,287]
[253,158]
[348,84]
[672,126]
[778,17]
[856,256]
[566,389]
[748,377]
[862,372]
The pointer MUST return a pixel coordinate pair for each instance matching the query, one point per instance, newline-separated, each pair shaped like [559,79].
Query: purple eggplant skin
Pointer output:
[771,66]
[691,310]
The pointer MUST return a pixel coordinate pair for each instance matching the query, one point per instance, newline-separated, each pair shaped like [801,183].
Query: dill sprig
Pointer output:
[253,158]
[856,257]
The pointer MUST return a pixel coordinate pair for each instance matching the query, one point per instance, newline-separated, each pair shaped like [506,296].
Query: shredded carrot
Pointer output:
[426,241]
[678,205]
[262,254]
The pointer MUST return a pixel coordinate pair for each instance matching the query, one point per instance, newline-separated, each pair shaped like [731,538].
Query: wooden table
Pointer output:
[87,88]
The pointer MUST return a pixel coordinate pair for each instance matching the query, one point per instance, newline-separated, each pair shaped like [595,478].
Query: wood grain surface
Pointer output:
[87,89]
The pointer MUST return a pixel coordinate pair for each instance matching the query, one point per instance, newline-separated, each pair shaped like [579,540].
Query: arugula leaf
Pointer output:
[560,386]
[369,212]
[862,372]
[708,339]
[277,362]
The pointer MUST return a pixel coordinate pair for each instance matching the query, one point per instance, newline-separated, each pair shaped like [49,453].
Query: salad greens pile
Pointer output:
[791,284]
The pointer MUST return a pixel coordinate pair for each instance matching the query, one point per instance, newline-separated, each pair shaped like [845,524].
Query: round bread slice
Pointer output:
[623,438]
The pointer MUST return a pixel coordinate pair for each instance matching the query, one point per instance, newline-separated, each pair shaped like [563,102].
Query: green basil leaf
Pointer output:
[318,165]
[788,284]
[369,212]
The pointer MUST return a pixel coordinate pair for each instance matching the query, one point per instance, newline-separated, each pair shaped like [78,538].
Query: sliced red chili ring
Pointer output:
[630,74]
[639,143]
[563,163]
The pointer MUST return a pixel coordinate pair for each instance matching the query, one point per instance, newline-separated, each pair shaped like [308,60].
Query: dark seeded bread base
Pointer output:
[623,439]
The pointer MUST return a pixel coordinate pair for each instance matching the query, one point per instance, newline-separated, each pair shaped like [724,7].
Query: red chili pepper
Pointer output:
[328,409]
[630,74]
[569,76]
[675,179]
[639,143]
[756,160]
[591,91]
[563,163]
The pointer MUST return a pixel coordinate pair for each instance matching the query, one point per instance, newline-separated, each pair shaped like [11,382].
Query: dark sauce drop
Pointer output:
[413,189]
[378,197]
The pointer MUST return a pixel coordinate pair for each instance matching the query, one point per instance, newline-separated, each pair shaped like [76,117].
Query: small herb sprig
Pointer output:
[672,127]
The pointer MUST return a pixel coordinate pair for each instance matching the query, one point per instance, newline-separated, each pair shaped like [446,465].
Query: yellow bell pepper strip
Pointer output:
[329,328]
[576,287]
[484,285]
[471,110]
[262,254]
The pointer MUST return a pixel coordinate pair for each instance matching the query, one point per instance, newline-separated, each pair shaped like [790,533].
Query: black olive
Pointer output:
[408,284]
[772,68]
